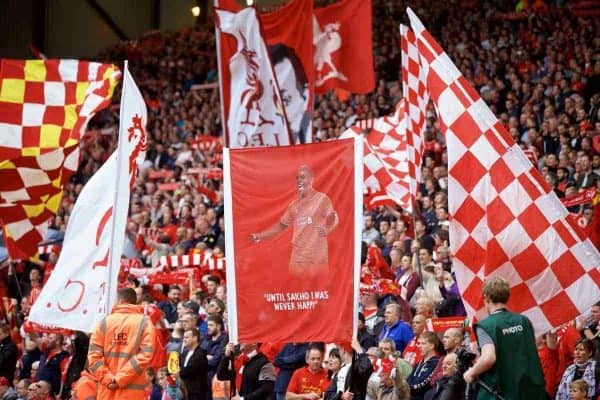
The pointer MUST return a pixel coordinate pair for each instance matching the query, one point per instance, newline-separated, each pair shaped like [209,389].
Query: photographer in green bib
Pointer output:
[509,367]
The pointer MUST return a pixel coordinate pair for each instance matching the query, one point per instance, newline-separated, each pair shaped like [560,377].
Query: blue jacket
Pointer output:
[290,358]
[400,333]
[213,348]
[169,310]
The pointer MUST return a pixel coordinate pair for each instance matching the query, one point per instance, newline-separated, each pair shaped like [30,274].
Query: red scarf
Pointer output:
[238,364]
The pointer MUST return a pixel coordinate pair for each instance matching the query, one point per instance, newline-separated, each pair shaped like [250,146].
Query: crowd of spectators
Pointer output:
[540,74]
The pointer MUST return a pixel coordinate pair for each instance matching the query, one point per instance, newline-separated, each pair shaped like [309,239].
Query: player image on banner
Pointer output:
[294,89]
[293,219]
[312,217]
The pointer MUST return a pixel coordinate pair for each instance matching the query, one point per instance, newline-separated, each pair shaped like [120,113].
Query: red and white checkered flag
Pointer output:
[505,219]
[386,172]
[413,89]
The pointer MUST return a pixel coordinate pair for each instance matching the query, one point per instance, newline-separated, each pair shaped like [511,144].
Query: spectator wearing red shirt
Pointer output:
[310,382]
[546,345]
[567,338]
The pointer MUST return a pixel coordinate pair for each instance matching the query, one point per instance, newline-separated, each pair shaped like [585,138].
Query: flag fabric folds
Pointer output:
[386,161]
[45,106]
[505,219]
[255,115]
[83,286]
[417,99]
[288,32]
[343,47]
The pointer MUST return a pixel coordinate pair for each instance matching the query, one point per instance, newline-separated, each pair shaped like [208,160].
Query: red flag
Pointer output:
[506,221]
[343,49]
[294,266]
[288,35]
[256,115]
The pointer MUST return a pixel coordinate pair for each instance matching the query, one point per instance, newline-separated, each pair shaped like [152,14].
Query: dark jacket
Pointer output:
[194,374]
[27,360]
[50,368]
[366,340]
[290,358]
[356,380]
[419,379]
[435,392]
[213,348]
[256,385]
[8,358]
[81,345]
[169,310]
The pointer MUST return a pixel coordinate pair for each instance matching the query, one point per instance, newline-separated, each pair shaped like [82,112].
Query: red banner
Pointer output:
[343,48]
[177,277]
[441,324]
[293,217]
[288,35]
[580,198]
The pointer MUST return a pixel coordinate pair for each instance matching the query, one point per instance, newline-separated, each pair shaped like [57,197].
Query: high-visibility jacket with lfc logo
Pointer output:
[121,348]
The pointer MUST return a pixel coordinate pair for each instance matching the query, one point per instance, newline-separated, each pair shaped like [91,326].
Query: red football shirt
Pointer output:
[303,381]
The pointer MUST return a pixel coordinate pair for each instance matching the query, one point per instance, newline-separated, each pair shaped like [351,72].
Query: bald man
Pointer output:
[312,217]
[449,364]
[452,341]
[411,352]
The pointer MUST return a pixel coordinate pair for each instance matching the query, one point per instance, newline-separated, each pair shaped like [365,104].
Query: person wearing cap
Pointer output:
[6,391]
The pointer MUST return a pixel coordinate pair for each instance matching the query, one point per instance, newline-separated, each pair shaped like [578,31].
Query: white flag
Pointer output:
[256,114]
[82,287]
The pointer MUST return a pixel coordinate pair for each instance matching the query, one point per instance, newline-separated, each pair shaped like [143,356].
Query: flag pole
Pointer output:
[109,292]
[220,79]
[412,172]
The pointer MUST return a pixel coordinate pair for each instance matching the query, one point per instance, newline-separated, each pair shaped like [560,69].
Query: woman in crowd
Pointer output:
[583,367]
[334,363]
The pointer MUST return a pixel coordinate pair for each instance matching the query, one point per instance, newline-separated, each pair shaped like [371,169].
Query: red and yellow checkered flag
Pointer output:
[45,106]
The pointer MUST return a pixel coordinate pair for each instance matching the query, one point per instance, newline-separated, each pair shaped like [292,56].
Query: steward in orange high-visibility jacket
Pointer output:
[121,348]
